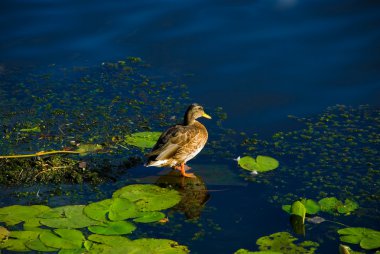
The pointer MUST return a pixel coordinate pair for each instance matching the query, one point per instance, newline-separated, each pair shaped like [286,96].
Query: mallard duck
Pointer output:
[180,143]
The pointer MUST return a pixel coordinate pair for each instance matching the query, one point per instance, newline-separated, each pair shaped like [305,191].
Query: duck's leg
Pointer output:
[183,171]
[179,167]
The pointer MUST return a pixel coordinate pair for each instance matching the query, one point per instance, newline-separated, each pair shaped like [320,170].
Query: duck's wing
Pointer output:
[170,141]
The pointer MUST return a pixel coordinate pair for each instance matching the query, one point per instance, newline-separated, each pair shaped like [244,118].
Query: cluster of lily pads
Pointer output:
[330,205]
[60,229]
[281,242]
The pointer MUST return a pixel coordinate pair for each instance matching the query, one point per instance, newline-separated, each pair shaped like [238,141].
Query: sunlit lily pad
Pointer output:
[63,239]
[143,139]
[98,210]
[260,164]
[113,209]
[367,238]
[32,224]
[149,197]
[67,217]
[15,214]
[244,251]
[348,206]
[312,207]
[298,209]
[38,245]
[284,241]
[17,240]
[113,228]
[118,244]
[329,204]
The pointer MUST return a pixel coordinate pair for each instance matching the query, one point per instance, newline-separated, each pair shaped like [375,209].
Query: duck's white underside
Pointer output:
[161,163]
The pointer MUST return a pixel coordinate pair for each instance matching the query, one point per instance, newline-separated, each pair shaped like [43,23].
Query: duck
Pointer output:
[181,142]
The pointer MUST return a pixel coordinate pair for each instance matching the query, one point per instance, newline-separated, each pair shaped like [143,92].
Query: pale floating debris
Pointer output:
[316,220]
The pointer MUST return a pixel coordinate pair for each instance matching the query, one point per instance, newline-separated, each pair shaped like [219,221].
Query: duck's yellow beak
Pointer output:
[206,116]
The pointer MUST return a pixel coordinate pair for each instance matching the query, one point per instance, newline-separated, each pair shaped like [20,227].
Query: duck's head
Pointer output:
[193,112]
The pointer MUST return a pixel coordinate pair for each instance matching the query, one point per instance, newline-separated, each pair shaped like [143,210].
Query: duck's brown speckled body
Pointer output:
[180,143]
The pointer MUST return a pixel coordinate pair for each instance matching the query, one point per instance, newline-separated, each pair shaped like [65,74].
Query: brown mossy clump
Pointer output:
[53,169]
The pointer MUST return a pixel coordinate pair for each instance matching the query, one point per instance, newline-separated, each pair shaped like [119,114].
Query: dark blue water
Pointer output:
[259,60]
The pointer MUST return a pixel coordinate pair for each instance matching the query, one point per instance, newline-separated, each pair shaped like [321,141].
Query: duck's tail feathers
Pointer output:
[158,163]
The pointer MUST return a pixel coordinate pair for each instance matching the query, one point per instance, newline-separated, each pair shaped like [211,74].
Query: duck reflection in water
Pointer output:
[193,191]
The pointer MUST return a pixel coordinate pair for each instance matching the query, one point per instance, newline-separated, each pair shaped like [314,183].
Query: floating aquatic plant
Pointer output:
[142,139]
[244,251]
[148,197]
[367,238]
[281,242]
[118,244]
[333,205]
[330,205]
[284,242]
[141,203]
[260,164]
[15,214]
[113,228]
[71,216]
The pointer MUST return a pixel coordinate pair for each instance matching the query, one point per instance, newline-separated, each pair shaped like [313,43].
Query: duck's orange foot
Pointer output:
[190,175]
[179,167]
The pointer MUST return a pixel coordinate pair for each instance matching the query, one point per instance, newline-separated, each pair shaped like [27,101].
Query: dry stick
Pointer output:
[36,154]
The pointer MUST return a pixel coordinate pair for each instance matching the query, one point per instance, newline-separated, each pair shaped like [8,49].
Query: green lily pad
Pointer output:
[67,217]
[118,244]
[15,214]
[248,163]
[260,164]
[38,245]
[17,240]
[287,208]
[113,228]
[149,197]
[329,204]
[32,224]
[367,238]
[143,139]
[267,163]
[147,217]
[113,209]
[348,207]
[72,251]
[63,239]
[284,241]
[312,207]
[298,209]
[244,251]
[98,210]
[122,209]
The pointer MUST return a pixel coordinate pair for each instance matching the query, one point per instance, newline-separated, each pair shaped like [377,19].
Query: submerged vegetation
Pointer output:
[282,242]
[62,109]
